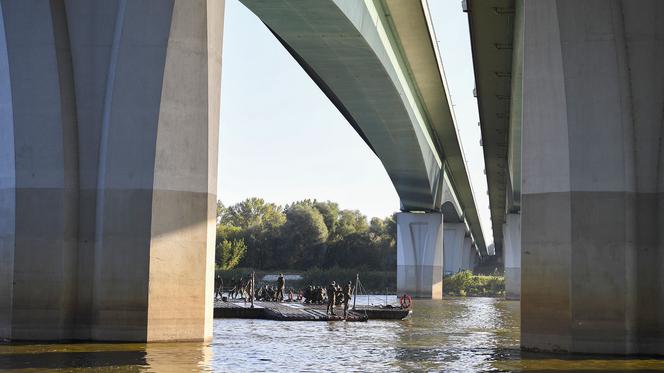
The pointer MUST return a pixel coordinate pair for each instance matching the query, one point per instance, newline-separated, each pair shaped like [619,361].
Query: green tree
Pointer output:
[330,212]
[253,212]
[220,210]
[257,223]
[229,253]
[383,234]
[302,237]
[351,221]
[227,232]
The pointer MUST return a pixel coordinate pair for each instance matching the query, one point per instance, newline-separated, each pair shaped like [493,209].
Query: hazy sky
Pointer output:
[282,140]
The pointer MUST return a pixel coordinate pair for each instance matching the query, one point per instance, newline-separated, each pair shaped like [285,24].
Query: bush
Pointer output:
[465,283]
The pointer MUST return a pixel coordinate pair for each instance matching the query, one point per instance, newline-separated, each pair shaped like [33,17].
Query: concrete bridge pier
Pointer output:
[453,247]
[109,113]
[512,256]
[468,254]
[593,177]
[420,254]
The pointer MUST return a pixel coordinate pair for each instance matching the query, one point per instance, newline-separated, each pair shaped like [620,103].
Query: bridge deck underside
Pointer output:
[355,76]
[491,30]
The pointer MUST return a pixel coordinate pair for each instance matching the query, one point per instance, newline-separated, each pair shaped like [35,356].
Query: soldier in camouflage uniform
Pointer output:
[331,292]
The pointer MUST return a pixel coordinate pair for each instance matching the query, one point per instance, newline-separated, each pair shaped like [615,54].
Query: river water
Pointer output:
[456,335]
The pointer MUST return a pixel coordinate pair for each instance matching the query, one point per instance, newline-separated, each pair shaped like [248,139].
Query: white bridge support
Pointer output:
[453,247]
[420,254]
[468,254]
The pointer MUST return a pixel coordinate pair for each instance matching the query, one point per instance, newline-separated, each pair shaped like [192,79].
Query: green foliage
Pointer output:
[253,212]
[307,234]
[330,212]
[229,253]
[257,223]
[220,210]
[351,221]
[302,236]
[465,283]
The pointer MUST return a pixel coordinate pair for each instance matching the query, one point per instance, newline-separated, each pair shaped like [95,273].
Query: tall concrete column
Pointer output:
[468,255]
[110,186]
[420,254]
[453,239]
[512,256]
[593,177]
[7,188]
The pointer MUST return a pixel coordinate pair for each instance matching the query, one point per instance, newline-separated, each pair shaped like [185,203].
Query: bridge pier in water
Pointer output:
[109,114]
[454,235]
[593,177]
[512,256]
[469,254]
[420,254]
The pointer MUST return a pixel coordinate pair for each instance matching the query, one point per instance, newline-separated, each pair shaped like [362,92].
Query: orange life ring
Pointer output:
[406,301]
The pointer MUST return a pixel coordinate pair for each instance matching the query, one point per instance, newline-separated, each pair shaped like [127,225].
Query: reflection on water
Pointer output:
[473,334]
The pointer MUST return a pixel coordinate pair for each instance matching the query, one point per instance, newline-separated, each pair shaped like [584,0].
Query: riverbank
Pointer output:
[374,282]
[466,284]
[463,284]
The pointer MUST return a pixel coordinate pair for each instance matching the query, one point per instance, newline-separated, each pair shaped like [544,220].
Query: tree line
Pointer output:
[303,235]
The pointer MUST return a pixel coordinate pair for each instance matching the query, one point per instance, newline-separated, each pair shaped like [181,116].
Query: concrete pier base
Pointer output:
[109,113]
[420,254]
[512,256]
[593,177]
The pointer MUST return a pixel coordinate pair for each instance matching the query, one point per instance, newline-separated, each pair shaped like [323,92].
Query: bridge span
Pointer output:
[378,63]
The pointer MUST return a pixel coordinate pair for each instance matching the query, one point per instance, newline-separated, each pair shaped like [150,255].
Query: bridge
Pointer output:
[108,143]
[109,136]
[377,62]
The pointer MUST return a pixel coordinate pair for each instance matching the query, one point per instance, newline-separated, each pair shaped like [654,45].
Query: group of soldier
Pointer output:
[343,295]
[273,294]
[333,295]
[238,290]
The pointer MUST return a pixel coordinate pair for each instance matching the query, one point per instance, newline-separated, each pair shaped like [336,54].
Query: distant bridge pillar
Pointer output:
[468,255]
[453,247]
[593,177]
[420,254]
[512,255]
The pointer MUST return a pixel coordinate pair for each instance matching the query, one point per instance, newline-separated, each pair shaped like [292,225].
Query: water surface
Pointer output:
[455,335]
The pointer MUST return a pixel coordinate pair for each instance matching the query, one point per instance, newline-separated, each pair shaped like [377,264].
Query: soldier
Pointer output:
[315,298]
[339,295]
[217,286]
[250,285]
[261,293]
[321,295]
[233,290]
[281,285]
[240,287]
[309,294]
[348,293]
[331,290]
[270,293]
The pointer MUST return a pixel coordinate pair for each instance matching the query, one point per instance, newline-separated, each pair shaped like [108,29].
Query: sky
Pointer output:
[282,140]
